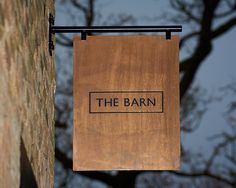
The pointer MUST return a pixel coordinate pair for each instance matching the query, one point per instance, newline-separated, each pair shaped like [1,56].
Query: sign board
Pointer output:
[126,103]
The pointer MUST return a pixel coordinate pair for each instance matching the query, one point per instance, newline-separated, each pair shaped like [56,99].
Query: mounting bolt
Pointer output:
[83,35]
[168,34]
[50,34]
[51,19]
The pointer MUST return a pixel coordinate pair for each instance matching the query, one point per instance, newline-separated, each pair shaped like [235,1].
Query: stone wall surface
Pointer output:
[27,86]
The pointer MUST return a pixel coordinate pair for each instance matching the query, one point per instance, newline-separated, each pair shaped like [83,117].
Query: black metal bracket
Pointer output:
[50,34]
[108,29]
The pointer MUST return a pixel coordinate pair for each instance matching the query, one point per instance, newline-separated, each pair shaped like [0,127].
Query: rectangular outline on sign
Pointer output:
[162,105]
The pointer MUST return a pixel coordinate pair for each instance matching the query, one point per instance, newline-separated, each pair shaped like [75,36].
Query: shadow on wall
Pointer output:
[27,178]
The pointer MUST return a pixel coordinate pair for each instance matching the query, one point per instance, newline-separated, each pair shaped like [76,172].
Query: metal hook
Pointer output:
[83,35]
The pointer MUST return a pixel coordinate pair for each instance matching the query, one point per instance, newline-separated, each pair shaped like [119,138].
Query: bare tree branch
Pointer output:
[214,34]
[60,124]
[224,28]
[90,13]
[187,37]
[124,179]
[231,9]
[185,9]
[64,43]
[204,174]
[78,5]
[67,164]
[204,46]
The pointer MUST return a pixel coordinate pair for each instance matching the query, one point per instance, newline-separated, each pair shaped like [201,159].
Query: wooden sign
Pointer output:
[126,103]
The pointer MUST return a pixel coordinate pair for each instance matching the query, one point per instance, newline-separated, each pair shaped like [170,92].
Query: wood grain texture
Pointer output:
[126,141]
[27,93]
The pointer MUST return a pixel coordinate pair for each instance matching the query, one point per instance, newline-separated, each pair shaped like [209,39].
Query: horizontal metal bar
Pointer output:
[112,29]
[108,29]
[121,27]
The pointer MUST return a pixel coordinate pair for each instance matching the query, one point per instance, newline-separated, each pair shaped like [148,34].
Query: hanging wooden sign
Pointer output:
[126,103]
